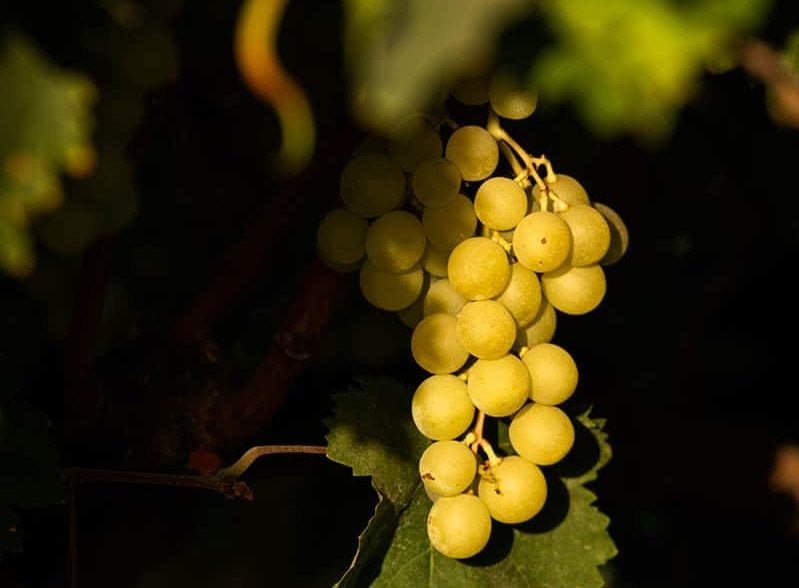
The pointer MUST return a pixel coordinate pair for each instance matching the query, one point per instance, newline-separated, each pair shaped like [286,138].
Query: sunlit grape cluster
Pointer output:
[478,262]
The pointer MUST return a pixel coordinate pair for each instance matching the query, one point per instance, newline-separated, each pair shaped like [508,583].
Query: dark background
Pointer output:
[690,357]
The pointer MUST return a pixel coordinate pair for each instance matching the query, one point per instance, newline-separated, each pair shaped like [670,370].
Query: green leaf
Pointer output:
[45,126]
[629,66]
[564,545]
[401,53]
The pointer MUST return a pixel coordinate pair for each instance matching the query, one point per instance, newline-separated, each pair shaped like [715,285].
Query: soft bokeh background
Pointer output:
[690,357]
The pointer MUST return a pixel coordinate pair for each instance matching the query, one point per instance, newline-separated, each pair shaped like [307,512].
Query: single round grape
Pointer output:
[436,182]
[486,329]
[451,224]
[371,185]
[619,236]
[540,330]
[509,99]
[474,151]
[575,290]
[447,468]
[441,408]
[590,234]
[541,434]
[459,526]
[566,188]
[513,491]
[499,387]
[542,241]
[500,203]
[390,291]
[435,345]
[442,297]
[413,144]
[341,237]
[553,373]
[522,295]
[478,268]
[395,241]
[434,260]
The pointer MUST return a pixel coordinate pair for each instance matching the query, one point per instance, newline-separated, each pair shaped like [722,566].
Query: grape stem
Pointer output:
[500,134]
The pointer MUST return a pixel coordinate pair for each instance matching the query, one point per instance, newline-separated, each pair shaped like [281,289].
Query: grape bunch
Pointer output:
[477,255]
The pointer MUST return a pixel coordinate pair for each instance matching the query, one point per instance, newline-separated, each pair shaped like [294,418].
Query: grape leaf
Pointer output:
[400,53]
[564,545]
[45,126]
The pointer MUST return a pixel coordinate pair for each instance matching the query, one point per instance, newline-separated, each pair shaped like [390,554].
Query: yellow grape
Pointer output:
[442,297]
[413,144]
[486,329]
[441,408]
[509,99]
[341,237]
[395,241]
[459,526]
[619,236]
[575,290]
[540,330]
[522,295]
[478,268]
[436,182]
[434,260]
[553,373]
[451,224]
[372,184]
[390,291]
[590,234]
[542,241]
[499,387]
[500,203]
[447,468]
[435,345]
[566,188]
[541,434]
[514,491]
[474,151]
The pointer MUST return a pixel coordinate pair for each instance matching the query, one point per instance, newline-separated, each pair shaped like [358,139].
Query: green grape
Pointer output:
[395,241]
[474,151]
[590,234]
[522,295]
[566,188]
[499,387]
[434,260]
[447,468]
[541,434]
[371,185]
[553,373]
[542,241]
[390,291]
[478,268]
[436,182]
[509,99]
[413,144]
[441,408]
[412,314]
[500,203]
[486,329]
[619,236]
[575,290]
[540,330]
[459,526]
[435,345]
[341,237]
[514,491]
[442,297]
[451,224]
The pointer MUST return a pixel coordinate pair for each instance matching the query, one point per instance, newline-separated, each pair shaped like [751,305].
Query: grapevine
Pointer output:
[477,258]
